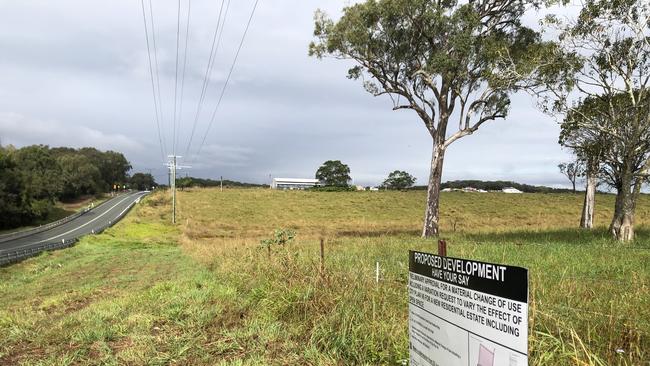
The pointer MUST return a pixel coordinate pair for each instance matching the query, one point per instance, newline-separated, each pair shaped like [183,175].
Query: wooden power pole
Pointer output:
[173,166]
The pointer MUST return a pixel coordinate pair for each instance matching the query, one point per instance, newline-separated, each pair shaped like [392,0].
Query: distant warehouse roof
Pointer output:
[294,183]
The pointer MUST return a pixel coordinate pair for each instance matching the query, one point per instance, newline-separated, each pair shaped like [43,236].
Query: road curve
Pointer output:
[94,220]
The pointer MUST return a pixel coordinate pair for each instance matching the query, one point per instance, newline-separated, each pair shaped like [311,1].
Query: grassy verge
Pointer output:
[204,292]
[83,202]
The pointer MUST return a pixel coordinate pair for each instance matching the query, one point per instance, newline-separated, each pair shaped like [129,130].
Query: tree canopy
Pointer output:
[33,177]
[606,108]
[452,63]
[334,173]
[573,171]
[399,179]
[142,181]
[438,58]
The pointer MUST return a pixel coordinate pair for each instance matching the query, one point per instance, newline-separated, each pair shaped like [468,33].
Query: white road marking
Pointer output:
[127,207]
[88,223]
[31,244]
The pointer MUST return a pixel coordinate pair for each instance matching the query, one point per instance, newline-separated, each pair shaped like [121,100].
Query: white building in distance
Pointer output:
[294,183]
[511,190]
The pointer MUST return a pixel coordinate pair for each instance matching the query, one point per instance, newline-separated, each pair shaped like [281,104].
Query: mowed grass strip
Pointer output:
[134,296]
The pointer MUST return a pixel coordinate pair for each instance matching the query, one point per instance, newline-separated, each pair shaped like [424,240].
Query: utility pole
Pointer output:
[173,186]
[173,166]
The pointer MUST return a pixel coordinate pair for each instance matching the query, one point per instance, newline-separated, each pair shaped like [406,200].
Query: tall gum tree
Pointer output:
[453,63]
[589,146]
[611,42]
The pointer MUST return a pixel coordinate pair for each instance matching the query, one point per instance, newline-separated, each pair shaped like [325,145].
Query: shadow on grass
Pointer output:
[559,236]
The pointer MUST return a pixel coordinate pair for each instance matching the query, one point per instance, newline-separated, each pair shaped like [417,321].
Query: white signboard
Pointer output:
[466,313]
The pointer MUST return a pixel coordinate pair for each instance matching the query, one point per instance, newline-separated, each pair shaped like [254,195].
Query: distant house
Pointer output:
[373,189]
[294,183]
[511,190]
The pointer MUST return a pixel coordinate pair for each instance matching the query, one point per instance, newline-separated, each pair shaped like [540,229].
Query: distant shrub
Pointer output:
[158,200]
[280,237]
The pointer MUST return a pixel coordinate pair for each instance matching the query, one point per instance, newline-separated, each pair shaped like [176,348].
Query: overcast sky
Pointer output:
[75,73]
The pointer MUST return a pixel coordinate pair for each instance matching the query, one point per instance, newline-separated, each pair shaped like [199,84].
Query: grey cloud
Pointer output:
[83,65]
[24,131]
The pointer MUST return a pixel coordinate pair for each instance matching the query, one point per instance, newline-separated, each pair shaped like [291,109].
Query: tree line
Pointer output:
[497,185]
[33,178]
[187,182]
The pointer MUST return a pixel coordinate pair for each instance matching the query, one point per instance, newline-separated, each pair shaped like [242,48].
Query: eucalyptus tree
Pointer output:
[453,63]
[589,147]
[573,171]
[611,41]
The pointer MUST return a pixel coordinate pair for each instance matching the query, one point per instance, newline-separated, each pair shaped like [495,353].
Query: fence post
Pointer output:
[322,255]
[377,273]
[442,248]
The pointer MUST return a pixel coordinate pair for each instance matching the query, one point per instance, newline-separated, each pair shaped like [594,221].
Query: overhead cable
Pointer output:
[187,38]
[153,88]
[225,85]
[216,41]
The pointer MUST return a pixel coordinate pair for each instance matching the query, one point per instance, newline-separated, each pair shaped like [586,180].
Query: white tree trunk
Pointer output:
[432,214]
[587,219]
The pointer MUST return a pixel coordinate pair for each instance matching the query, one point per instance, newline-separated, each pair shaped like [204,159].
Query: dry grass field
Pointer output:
[205,292]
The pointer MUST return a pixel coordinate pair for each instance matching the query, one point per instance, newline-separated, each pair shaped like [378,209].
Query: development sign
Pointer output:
[466,313]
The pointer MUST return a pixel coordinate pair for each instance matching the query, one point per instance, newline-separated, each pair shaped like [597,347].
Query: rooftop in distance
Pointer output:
[294,183]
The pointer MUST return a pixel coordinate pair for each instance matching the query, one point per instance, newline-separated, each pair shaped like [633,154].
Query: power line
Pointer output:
[187,37]
[208,71]
[157,72]
[178,37]
[153,88]
[225,85]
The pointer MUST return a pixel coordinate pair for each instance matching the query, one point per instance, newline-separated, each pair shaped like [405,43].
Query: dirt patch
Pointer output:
[21,352]
[73,205]
[75,304]
[120,345]
[158,327]
[229,319]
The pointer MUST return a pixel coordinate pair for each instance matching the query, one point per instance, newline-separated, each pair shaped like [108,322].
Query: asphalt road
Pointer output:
[94,219]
